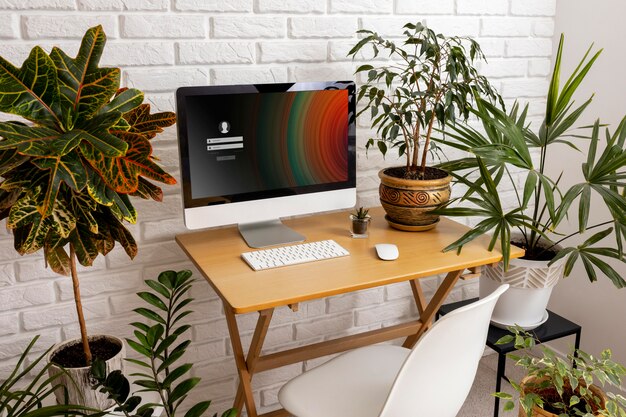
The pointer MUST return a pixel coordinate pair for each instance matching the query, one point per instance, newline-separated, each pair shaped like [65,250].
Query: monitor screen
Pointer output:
[254,142]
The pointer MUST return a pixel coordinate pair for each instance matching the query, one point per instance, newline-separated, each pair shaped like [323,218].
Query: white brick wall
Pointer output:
[163,44]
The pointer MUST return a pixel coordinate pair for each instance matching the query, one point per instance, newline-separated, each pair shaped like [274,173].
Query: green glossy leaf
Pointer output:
[149,314]
[158,287]
[175,374]
[37,140]
[153,300]
[182,389]
[67,169]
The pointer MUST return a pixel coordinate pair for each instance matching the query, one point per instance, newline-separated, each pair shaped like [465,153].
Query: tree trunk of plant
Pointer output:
[79,305]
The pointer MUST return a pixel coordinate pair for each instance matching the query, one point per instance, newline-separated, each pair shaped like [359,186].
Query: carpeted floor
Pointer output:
[480,402]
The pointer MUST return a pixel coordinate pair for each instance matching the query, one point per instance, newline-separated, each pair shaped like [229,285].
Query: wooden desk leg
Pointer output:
[435,303]
[418,294]
[245,367]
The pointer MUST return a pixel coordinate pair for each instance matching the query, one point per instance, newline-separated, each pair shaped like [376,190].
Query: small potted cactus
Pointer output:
[360,220]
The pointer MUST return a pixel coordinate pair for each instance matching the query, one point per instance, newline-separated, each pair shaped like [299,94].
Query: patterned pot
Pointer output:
[408,202]
[78,381]
[530,287]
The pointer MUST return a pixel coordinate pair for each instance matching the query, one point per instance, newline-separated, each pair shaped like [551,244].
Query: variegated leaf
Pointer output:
[68,169]
[149,125]
[25,216]
[58,260]
[148,190]
[97,189]
[32,90]
[84,87]
[9,160]
[64,220]
[96,132]
[83,207]
[37,140]
[123,208]
[84,245]
[124,101]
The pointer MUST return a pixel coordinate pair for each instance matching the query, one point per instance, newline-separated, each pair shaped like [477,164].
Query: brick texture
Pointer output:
[161,45]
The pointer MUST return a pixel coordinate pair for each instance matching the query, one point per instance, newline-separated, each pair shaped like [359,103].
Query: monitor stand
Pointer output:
[268,233]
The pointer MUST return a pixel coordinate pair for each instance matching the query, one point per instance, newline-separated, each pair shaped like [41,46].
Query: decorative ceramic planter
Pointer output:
[538,412]
[79,382]
[408,202]
[531,283]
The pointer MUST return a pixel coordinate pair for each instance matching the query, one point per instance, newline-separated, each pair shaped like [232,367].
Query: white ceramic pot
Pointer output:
[79,382]
[525,302]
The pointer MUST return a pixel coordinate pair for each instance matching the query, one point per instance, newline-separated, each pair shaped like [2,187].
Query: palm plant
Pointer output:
[67,174]
[430,84]
[542,206]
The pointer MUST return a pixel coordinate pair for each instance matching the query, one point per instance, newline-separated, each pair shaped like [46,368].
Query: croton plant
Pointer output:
[81,148]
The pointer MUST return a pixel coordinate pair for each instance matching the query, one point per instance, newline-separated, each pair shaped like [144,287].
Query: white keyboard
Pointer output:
[294,254]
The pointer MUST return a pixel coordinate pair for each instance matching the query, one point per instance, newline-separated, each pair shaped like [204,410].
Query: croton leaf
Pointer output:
[149,125]
[58,260]
[114,229]
[84,87]
[148,190]
[25,216]
[68,169]
[84,246]
[10,159]
[82,206]
[124,101]
[31,91]
[37,140]
[95,132]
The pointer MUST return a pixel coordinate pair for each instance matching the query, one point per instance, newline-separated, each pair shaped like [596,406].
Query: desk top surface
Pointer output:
[217,254]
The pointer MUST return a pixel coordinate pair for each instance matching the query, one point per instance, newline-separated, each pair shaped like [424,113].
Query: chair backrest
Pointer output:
[437,375]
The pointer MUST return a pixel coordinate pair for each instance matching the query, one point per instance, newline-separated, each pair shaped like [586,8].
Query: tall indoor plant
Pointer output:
[430,82]
[70,164]
[541,205]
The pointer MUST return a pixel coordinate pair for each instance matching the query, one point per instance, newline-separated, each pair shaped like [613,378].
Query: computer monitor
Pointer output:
[251,154]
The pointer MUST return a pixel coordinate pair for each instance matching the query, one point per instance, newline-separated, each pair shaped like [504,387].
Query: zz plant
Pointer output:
[430,82]
[159,343]
[69,165]
[508,143]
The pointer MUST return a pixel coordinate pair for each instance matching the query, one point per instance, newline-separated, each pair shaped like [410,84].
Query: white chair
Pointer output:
[432,379]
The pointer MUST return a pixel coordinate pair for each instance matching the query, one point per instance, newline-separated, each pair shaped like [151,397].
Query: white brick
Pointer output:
[15,347]
[323,327]
[276,336]
[322,27]
[63,314]
[291,6]
[134,54]
[95,285]
[531,87]
[543,27]
[539,67]
[162,230]
[361,6]
[216,53]
[68,26]
[529,47]
[326,72]
[119,326]
[422,7]
[533,7]
[32,268]
[278,375]
[197,352]
[38,4]
[9,324]
[214,5]
[25,296]
[355,300]
[232,75]
[505,26]
[482,7]
[292,51]
[163,26]
[144,5]
[455,26]
[249,27]
[501,67]
[385,26]
[218,369]
[385,312]
[492,47]
[166,79]
[339,52]
[7,275]
[9,28]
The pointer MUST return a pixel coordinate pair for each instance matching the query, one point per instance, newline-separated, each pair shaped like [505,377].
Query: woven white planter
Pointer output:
[531,283]
[78,381]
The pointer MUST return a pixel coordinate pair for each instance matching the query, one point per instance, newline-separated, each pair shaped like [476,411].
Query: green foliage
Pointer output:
[361,213]
[23,396]
[556,375]
[160,344]
[432,79]
[507,143]
[67,175]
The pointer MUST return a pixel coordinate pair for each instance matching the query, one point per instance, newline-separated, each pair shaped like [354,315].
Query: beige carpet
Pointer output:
[480,402]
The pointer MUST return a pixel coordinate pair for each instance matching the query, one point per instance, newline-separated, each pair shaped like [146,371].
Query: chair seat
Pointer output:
[354,384]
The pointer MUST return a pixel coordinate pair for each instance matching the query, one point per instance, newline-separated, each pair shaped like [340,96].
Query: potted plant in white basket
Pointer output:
[535,221]
[430,82]
[67,168]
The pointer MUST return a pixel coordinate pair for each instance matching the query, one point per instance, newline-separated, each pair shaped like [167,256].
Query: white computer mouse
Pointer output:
[387,251]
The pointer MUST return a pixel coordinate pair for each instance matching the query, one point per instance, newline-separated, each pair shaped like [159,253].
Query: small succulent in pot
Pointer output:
[360,220]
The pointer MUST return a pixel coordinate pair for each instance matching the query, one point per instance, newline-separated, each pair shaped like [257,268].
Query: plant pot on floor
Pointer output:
[539,412]
[530,286]
[77,379]
[408,202]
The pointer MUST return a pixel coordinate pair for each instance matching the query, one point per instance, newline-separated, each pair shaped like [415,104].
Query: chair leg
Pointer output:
[499,376]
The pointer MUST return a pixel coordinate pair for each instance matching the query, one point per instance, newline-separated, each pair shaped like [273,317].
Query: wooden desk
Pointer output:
[216,253]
